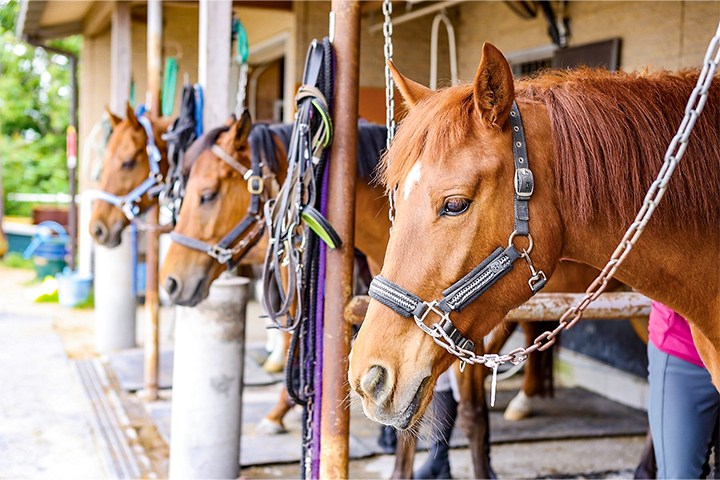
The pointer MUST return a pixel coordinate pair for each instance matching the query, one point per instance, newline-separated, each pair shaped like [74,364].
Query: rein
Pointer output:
[466,290]
[251,228]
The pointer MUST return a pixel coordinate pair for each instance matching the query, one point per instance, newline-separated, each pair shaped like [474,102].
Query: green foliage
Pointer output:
[16,260]
[34,113]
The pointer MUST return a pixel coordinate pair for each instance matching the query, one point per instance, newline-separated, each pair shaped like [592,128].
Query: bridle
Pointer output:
[251,228]
[129,204]
[466,290]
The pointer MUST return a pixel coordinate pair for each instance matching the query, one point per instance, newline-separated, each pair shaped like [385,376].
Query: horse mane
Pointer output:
[204,142]
[371,143]
[609,132]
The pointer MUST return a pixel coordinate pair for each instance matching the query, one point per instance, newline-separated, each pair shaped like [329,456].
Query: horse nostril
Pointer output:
[99,231]
[375,383]
[171,285]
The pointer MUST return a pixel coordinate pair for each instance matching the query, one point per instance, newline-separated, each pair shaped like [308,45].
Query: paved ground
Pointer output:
[44,428]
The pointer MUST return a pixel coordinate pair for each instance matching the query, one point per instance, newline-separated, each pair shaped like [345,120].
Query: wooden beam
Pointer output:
[98,19]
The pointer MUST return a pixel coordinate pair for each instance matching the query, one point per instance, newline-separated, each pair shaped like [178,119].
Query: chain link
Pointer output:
[673,155]
[389,93]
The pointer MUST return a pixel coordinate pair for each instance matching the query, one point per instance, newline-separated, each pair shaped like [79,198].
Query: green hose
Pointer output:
[169,86]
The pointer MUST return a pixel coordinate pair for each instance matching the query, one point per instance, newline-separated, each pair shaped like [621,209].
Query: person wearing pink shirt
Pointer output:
[683,403]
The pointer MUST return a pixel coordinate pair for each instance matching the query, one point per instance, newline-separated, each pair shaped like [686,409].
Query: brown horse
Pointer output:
[125,166]
[595,141]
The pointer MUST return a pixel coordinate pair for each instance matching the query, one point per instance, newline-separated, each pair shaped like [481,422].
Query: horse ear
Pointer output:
[114,119]
[494,87]
[131,116]
[411,91]
[241,129]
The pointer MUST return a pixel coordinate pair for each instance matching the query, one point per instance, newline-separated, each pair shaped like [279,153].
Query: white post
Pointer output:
[207,384]
[214,60]
[114,300]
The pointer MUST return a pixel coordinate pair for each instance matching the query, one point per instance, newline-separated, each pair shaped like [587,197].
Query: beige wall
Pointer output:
[661,34]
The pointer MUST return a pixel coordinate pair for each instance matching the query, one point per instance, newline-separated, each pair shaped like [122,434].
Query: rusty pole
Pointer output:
[339,269]
[154,73]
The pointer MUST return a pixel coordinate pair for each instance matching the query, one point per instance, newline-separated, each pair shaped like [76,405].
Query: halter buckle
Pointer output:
[255,184]
[131,210]
[524,183]
[222,255]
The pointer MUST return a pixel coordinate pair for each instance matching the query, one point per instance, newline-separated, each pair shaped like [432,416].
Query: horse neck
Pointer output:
[372,224]
[160,126]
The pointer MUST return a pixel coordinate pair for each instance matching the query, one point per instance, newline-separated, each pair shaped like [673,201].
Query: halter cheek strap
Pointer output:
[251,227]
[466,290]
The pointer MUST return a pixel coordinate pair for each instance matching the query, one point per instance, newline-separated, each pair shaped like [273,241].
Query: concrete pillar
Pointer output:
[207,383]
[114,300]
[214,60]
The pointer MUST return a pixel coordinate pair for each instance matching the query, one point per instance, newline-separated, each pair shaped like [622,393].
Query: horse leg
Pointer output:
[272,424]
[647,467]
[275,363]
[473,417]
[404,456]
[538,377]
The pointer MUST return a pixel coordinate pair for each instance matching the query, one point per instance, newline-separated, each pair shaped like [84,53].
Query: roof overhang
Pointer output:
[41,20]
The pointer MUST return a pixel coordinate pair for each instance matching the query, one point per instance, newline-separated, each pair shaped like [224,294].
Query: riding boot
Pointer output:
[438,463]
[388,439]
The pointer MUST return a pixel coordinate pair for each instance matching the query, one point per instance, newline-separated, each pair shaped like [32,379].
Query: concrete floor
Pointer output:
[44,427]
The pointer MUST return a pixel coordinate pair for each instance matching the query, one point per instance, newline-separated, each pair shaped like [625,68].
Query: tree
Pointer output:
[34,113]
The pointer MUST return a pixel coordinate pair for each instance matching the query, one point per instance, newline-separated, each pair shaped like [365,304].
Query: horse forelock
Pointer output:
[433,127]
[610,132]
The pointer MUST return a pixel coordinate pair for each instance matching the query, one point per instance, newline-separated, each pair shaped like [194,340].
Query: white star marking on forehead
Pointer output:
[412,179]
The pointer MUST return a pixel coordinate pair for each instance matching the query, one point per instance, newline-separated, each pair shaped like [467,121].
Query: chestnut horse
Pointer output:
[595,141]
[125,166]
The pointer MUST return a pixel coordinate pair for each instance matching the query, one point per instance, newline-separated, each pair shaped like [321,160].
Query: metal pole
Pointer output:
[154,73]
[339,269]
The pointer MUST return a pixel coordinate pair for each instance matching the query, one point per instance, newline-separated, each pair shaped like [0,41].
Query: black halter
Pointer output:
[251,227]
[481,278]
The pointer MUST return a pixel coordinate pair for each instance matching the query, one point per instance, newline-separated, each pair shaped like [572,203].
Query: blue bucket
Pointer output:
[73,289]
[48,250]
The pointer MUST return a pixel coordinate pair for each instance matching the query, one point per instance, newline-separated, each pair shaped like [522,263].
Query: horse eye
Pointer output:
[454,206]
[128,164]
[208,197]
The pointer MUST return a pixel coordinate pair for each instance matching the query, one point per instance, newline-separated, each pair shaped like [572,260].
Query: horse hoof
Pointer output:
[268,427]
[271,366]
[518,408]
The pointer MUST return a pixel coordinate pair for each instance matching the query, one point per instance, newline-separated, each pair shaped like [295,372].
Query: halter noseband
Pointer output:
[130,204]
[481,278]
[223,251]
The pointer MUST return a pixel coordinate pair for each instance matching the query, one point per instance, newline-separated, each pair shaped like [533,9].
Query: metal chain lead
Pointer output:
[389,93]
[673,155]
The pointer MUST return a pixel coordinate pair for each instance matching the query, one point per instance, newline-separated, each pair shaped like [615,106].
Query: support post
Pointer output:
[115,307]
[339,269]
[214,59]
[114,300]
[207,384]
[152,303]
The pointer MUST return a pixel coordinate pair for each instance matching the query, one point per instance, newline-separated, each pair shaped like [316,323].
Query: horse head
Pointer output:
[217,199]
[451,172]
[125,166]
